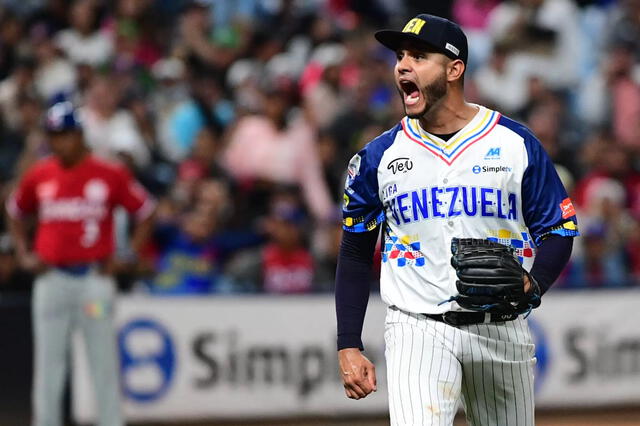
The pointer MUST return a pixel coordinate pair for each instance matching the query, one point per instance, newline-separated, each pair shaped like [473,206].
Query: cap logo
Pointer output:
[414,26]
[452,48]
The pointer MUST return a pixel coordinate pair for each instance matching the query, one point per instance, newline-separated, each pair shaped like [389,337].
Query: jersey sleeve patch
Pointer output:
[567,208]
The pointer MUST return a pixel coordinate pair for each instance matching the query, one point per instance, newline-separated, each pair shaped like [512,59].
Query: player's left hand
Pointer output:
[491,279]
[358,373]
[115,266]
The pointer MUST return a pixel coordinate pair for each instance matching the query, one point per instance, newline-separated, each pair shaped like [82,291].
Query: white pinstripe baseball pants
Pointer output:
[432,365]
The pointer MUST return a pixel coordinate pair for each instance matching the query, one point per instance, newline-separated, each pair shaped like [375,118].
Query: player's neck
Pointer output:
[73,161]
[451,115]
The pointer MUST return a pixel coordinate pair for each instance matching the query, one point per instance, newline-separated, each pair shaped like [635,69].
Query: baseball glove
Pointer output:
[490,278]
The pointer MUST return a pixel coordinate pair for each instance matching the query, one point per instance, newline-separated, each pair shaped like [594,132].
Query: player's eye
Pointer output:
[418,56]
[399,56]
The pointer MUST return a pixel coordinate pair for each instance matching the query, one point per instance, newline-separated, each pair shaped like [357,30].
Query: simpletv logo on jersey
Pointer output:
[490,169]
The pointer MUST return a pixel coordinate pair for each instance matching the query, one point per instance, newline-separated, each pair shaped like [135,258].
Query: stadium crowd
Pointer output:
[240,117]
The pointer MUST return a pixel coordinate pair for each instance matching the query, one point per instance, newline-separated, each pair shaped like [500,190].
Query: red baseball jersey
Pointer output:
[75,206]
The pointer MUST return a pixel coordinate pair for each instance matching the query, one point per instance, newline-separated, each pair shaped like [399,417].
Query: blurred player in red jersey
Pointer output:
[73,194]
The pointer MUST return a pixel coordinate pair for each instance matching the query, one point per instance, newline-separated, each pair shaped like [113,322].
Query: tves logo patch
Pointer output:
[402,164]
[493,154]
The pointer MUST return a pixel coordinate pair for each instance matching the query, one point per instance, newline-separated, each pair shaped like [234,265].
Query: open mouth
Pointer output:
[411,92]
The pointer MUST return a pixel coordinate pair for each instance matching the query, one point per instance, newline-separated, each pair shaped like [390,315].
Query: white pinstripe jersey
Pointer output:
[492,179]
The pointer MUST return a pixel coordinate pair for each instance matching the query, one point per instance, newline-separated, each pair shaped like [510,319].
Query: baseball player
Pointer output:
[476,226]
[73,194]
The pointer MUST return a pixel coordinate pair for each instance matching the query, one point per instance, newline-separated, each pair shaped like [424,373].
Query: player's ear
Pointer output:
[455,70]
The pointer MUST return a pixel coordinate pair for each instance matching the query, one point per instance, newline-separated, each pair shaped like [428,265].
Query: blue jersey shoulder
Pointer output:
[546,206]
[517,127]
[362,209]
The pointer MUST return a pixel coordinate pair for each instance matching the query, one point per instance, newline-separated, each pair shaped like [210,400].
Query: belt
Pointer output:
[77,270]
[466,318]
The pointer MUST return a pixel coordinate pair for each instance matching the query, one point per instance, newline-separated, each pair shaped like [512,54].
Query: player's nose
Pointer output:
[403,65]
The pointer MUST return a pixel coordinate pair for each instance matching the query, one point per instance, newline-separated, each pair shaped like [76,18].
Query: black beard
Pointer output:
[433,93]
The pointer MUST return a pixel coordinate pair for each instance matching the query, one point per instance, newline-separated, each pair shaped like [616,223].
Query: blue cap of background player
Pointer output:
[439,33]
[62,117]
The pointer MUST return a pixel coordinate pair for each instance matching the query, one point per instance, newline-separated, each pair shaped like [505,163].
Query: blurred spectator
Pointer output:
[19,83]
[625,97]
[624,27]
[505,89]
[473,17]
[191,249]
[203,162]
[11,31]
[110,131]
[284,265]
[274,148]
[325,99]
[606,159]
[196,34]
[601,262]
[542,36]
[326,261]
[598,266]
[188,258]
[205,108]
[12,278]
[171,91]
[31,137]
[83,42]
[54,73]
[134,29]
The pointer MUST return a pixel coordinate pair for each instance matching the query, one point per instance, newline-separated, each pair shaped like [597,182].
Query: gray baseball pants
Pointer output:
[62,303]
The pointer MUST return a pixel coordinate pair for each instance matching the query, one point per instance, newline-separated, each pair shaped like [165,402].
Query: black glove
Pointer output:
[490,278]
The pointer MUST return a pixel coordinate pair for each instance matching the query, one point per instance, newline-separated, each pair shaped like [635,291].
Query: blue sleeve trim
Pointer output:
[364,227]
[362,209]
[567,229]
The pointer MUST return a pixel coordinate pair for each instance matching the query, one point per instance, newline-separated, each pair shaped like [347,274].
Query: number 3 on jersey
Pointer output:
[90,233]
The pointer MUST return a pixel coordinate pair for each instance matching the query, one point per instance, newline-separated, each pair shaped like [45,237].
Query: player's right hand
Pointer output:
[358,373]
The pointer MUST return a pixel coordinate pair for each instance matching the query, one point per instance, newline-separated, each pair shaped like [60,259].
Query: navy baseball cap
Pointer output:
[62,117]
[445,36]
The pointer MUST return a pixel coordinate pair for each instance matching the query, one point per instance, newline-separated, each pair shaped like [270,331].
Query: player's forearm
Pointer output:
[18,232]
[551,257]
[353,277]
[141,234]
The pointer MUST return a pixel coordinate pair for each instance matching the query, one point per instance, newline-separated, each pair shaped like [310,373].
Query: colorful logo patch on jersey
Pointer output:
[353,169]
[520,241]
[403,251]
[567,208]
[354,166]
[95,309]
